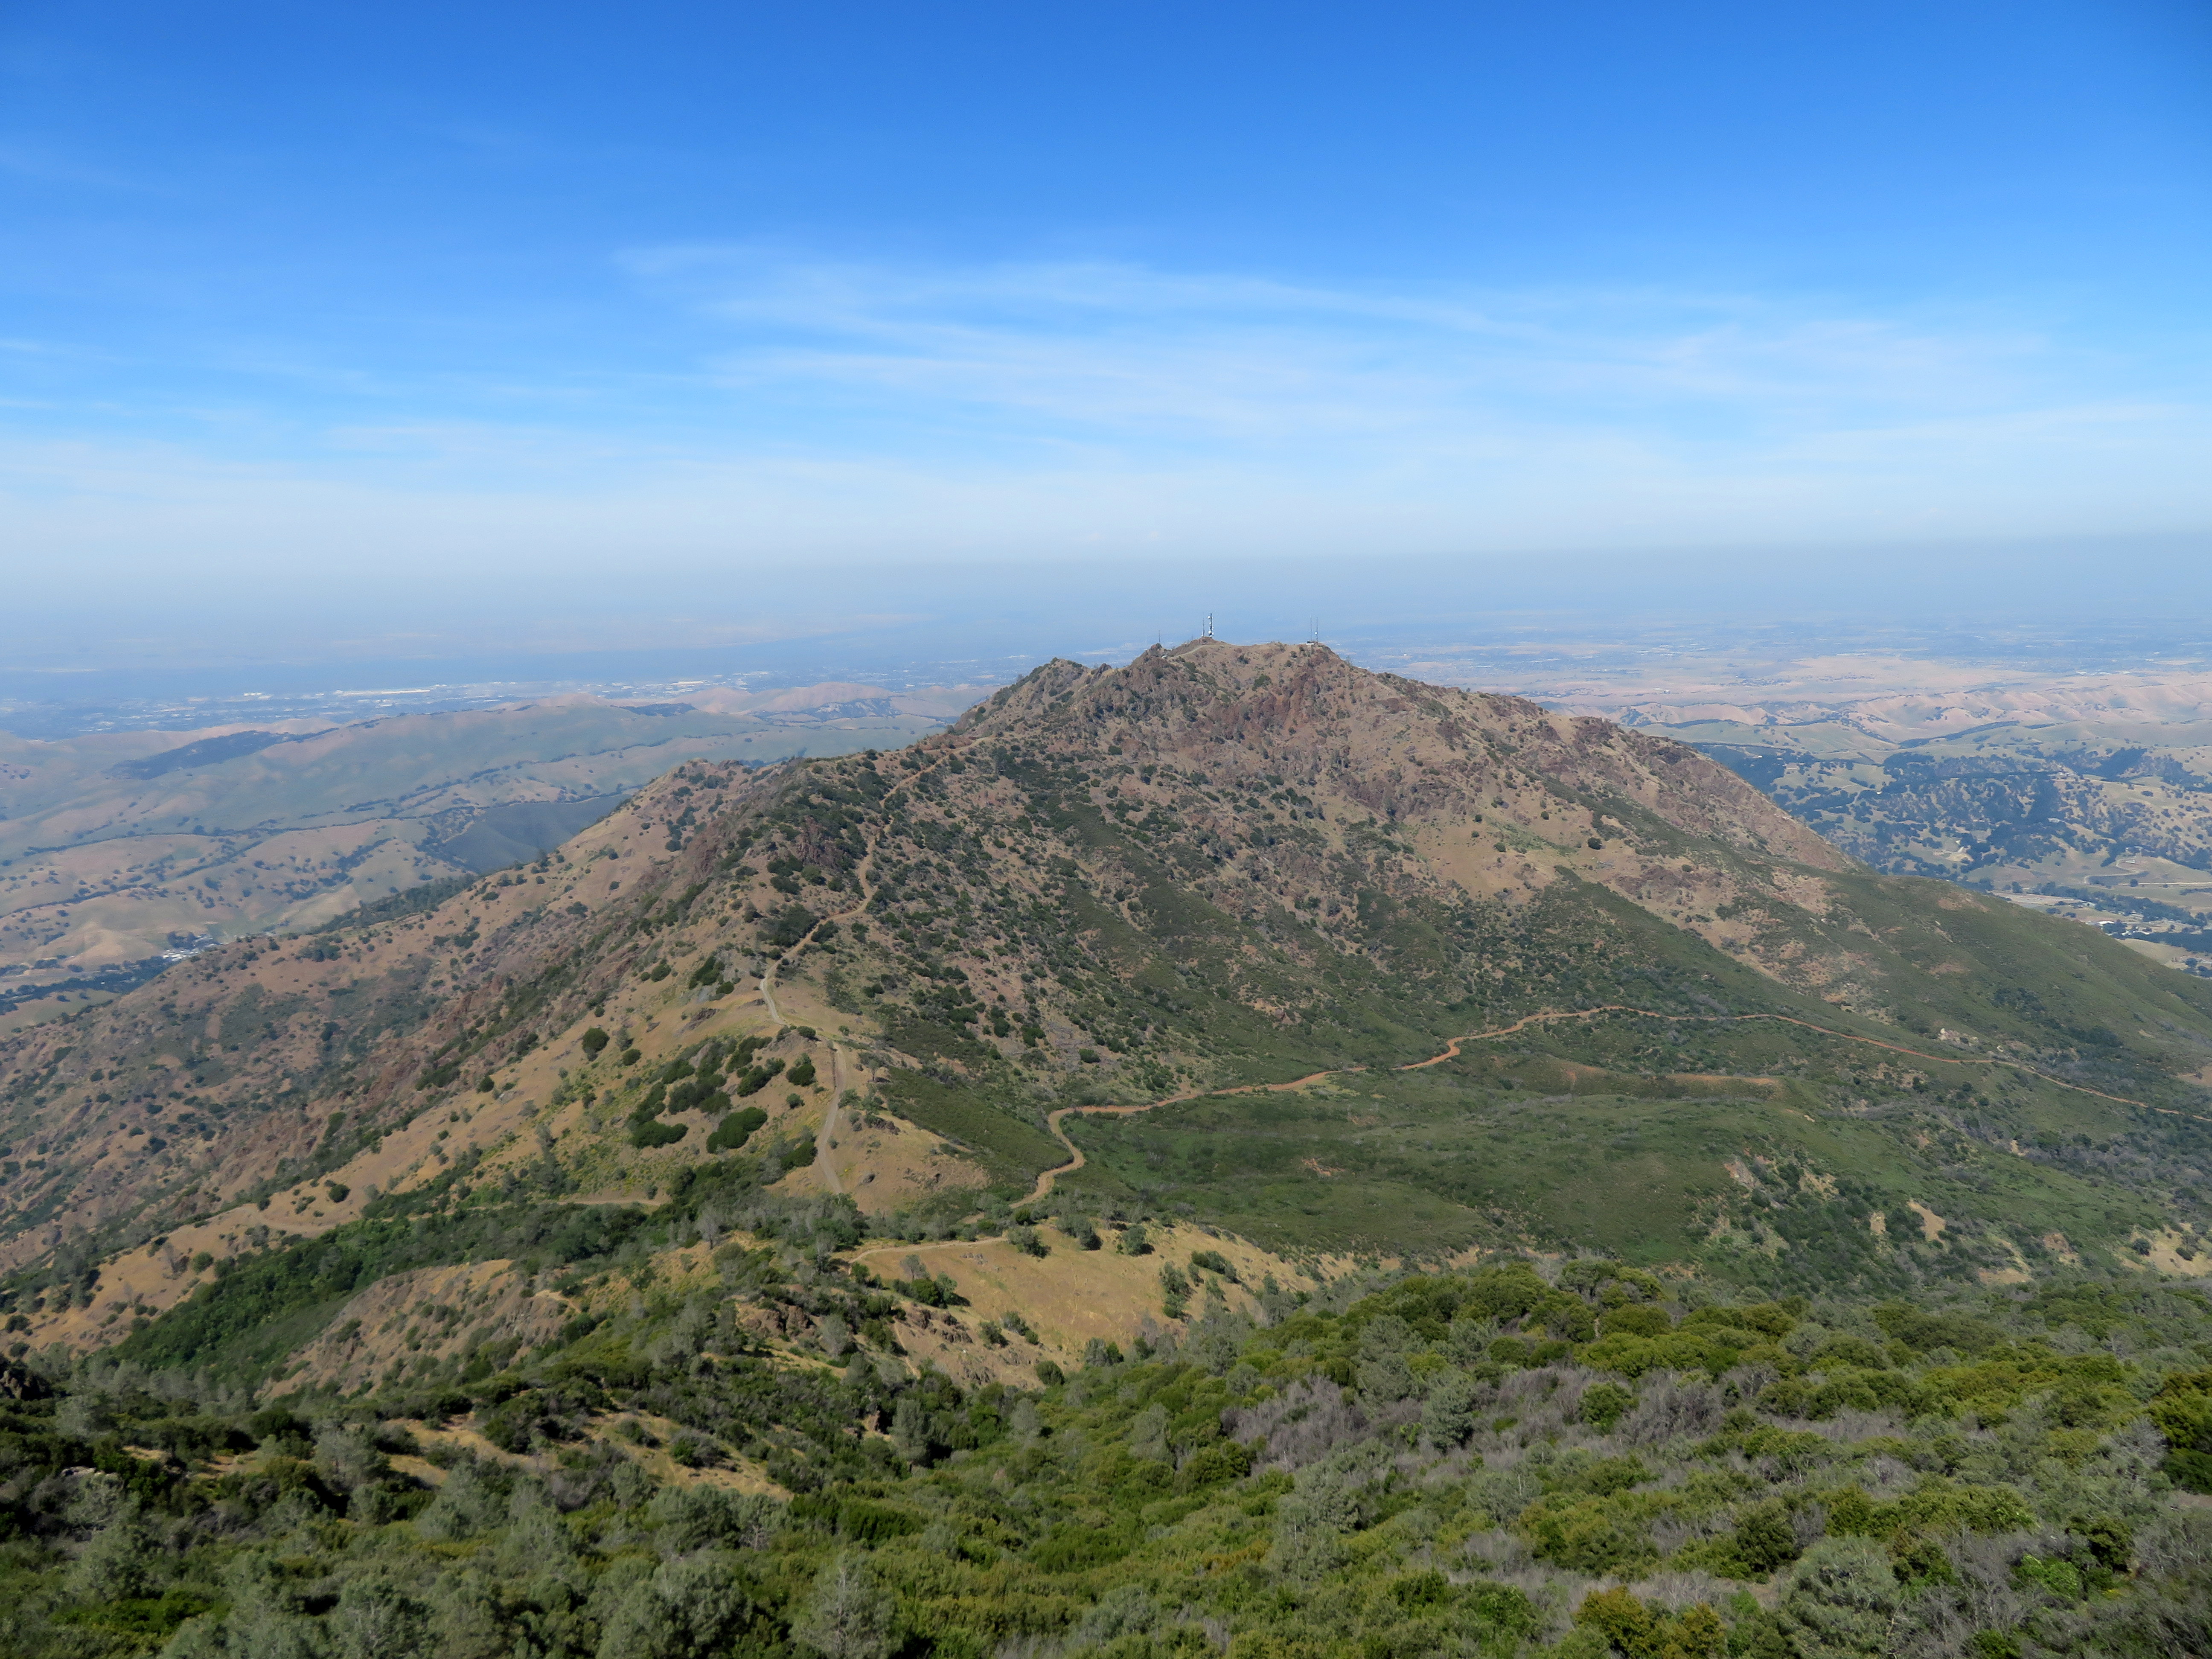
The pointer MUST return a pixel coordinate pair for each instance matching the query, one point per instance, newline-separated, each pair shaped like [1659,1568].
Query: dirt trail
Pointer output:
[1452,1048]
[1451,1051]
[1053,1120]
[825,1138]
[863,878]
[863,874]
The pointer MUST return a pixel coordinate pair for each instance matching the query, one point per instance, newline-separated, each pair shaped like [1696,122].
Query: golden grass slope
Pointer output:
[110,844]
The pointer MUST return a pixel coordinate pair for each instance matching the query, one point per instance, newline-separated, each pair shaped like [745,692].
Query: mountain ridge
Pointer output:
[1372,1170]
[1327,867]
[115,846]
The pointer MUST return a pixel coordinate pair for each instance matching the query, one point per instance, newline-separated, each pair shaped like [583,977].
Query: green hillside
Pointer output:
[1582,1462]
[1607,1221]
[1105,888]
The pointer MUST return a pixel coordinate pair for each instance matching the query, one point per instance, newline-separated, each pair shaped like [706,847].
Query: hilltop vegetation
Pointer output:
[1218,868]
[1582,1461]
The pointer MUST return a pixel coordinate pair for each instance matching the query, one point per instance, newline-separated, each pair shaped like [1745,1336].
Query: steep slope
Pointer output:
[115,846]
[1221,866]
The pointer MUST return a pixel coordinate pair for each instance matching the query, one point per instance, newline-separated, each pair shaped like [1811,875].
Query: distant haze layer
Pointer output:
[176,632]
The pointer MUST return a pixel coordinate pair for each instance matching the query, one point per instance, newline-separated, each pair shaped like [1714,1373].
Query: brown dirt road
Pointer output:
[864,873]
[1451,1051]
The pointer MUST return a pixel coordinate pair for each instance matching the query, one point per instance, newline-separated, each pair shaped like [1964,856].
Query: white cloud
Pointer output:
[1117,349]
[845,411]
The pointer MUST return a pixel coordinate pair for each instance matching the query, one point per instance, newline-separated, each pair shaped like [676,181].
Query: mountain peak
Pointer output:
[1220,865]
[1275,714]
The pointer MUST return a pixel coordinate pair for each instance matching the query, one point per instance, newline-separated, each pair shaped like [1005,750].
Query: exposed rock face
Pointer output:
[1399,750]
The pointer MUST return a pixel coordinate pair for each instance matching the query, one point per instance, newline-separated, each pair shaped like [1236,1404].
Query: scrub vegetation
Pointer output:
[1573,1458]
[1538,1198]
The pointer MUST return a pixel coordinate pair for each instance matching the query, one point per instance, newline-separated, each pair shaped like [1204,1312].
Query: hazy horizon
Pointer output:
[1049,332]
[1504,624]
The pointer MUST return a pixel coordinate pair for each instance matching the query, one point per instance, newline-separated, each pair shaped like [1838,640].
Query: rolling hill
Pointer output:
[1717,1038]
[2078,786]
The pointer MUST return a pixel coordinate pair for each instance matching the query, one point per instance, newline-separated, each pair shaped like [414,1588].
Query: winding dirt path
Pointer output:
[863,875]
[1451,1051]
[825,1138]
[1452,1048]
[863,880]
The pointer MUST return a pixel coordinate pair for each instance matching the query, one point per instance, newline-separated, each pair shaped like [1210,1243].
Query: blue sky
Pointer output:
[465,318]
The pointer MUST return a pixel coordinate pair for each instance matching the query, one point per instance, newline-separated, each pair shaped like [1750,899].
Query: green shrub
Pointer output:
[1604,1404]
[1840,1599]
[2182,1411]
[1175,1283]
[1764,1539]
[1637,1321]
[1213,1262]
[1225,1461]
[1643,1631]
[1594,1535]
[734,1131]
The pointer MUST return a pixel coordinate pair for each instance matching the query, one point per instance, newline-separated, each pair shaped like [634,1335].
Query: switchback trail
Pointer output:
[825,1138]
[863,880]
[1452,1048]
[864,873]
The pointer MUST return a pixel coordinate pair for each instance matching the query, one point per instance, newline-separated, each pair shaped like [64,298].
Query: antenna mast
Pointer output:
[1209,624]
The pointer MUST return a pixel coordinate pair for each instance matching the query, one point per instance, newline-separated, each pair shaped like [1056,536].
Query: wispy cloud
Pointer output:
[1156,360]
[1064,409]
